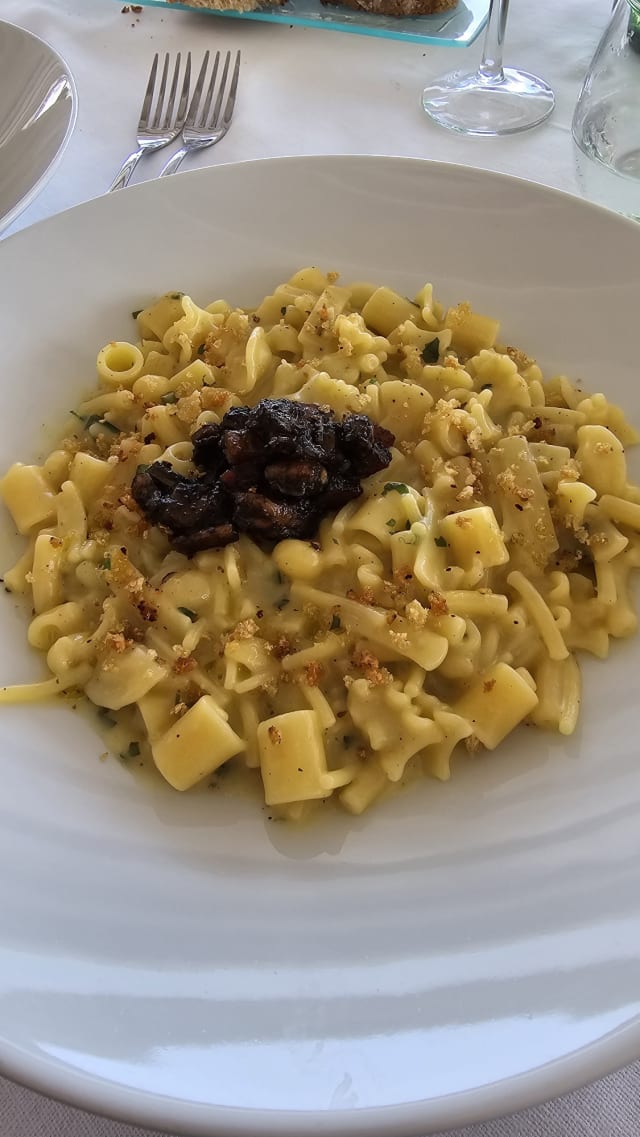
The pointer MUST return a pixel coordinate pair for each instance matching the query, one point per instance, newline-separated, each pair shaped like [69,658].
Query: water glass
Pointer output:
[606,123]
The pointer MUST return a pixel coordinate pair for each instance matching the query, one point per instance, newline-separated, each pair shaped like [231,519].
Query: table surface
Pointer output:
[351,94]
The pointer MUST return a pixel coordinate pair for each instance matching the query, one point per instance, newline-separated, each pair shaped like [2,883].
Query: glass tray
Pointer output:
[455,28]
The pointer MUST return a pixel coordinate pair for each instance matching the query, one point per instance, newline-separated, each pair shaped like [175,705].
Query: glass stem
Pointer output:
[491,66]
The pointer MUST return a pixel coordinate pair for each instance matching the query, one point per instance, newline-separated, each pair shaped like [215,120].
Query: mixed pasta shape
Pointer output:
[440,609]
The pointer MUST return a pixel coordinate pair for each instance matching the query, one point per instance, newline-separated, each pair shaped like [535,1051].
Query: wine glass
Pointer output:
[494,99]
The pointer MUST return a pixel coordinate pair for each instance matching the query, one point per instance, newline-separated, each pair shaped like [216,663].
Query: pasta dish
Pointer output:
[333,539]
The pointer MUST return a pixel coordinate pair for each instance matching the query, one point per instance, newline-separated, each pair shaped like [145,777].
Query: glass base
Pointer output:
[473,103]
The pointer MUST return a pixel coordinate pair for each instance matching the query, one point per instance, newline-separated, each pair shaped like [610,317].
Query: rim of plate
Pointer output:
[26,200]
[563,1075]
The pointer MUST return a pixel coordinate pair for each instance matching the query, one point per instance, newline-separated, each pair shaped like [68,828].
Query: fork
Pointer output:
[163,128]
[206,127]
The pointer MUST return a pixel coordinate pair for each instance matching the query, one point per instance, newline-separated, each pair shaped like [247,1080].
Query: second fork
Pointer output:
[158,125]
[204,126]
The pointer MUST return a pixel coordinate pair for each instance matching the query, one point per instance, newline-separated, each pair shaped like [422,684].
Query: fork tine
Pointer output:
[223,83]
[168,118]
[202,118]
[197,94]
[148,95]
[161,93]
[184,97]
[231,101]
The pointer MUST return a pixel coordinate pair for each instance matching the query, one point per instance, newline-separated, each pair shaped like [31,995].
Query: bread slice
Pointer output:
[230,5]
[397,8]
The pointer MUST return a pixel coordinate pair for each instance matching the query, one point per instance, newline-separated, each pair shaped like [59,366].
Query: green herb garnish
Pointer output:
[143,467]
[176,295]
[132,751]
[431,351]
[86,420]
[335,623]
[391,523]
[283,310]
[202,349]
[399,487]
[188,612]
[94,420]
[106,563]
[137,313]
[440,542]
[170,397]
[108,426]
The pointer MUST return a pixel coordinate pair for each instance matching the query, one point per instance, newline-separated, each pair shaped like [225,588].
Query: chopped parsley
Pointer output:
[106,563]
[143,467]
[431,351]
[391,523]
[335,623]
[202,349]
[170,397]
[132,751]
[176,295]
[94,420]
[440,542]
[137,313]
[399,487]
[188,612]
[283,310]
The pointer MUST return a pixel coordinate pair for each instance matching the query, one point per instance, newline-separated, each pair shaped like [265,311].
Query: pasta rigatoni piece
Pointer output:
[385,309]
[89,475]
[470,332]
[46,573]
[293,761]
[472,533]
[29,496]
[196,745]
[495,704]
[527,524]
[119,364]
[369,782]
[402,408]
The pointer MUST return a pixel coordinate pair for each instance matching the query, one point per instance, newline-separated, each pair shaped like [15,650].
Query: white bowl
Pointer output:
[462,951]
[38,106]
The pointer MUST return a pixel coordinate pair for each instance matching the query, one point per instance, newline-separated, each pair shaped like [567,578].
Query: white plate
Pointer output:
[462,951]
[37,114]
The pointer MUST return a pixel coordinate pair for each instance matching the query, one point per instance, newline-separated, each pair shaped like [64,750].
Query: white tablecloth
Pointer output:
[307,92]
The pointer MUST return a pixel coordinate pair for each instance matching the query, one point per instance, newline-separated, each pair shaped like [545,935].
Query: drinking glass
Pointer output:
[494,99]
[606,122]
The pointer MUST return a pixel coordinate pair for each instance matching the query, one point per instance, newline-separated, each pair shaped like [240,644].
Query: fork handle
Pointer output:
[124,173]
[174,162]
